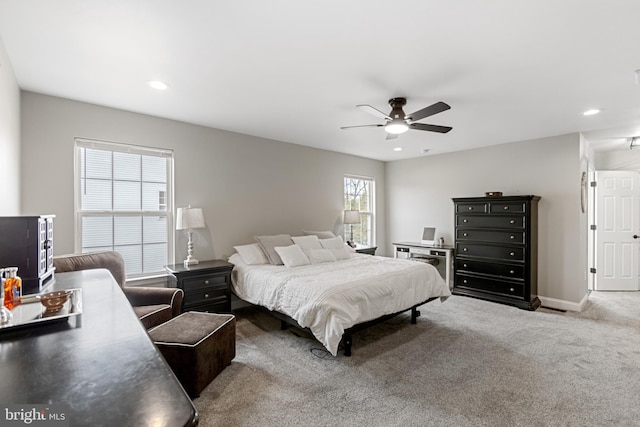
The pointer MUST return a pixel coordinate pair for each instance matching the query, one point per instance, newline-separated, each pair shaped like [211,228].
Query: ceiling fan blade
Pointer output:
[436,108]
[430,128]
[392,136]
[360,126]
[373,111]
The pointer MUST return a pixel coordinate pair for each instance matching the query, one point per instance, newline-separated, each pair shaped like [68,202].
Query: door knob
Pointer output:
[635,236]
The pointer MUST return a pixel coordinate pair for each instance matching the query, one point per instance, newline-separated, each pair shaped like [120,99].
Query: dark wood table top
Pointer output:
[105,367]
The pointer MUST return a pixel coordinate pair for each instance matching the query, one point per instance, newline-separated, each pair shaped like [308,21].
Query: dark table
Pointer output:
[104,367]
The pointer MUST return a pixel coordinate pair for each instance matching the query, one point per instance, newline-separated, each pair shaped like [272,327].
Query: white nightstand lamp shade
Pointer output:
[187,219]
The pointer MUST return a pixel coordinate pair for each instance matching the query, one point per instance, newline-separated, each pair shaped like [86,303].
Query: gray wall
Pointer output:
[246,185]
[9,138]
[419,193]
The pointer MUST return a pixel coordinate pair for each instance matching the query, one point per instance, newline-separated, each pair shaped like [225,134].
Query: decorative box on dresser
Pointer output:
[26,242]
[496,243]
[206,286]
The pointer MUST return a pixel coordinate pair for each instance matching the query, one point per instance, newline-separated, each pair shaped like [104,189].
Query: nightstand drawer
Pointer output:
[205,282]
[198,296]
[218,306]
[205,296]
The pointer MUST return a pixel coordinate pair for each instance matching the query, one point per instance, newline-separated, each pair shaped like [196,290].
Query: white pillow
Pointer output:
[307,242]
[292,256]
[267,243]
[251,254]
[335,242]
[316,256]
[320,234]
[341,253]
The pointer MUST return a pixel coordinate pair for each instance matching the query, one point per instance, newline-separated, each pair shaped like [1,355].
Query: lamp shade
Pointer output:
[189,218]
[351,217]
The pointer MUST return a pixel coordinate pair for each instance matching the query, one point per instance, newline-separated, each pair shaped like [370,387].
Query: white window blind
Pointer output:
[359,195]
[123,203]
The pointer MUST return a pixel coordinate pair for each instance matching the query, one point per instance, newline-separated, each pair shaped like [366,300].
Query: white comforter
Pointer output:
[331,297]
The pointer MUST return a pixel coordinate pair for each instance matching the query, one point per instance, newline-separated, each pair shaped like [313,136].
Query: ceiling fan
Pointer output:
[398,122]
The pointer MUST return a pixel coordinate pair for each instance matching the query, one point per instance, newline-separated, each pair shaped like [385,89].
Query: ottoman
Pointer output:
[197,346]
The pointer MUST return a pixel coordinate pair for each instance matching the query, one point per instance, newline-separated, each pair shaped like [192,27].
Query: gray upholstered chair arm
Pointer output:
[139,296]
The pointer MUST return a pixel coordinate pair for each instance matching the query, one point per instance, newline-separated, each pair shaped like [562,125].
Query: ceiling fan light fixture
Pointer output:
[396,127]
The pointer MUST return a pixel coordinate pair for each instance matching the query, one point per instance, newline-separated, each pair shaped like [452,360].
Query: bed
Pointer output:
[334,299]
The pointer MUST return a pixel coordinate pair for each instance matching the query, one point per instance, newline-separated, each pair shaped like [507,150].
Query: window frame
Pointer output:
[371,214]
[79,214]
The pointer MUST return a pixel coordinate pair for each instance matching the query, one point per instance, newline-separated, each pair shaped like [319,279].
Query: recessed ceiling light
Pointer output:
[591,112]
[397,149]
[157,84]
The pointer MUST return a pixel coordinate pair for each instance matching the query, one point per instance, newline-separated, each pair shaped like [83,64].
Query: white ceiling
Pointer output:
[294,70]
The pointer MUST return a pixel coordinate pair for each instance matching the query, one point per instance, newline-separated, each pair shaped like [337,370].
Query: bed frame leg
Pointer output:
[415,313]
[348,341]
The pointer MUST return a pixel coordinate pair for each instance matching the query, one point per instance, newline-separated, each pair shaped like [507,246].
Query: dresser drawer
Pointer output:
[472,208]
[501,270]
[516,237]
[488,251]
[514,290]
[205,281]
[508,207]
[488,221]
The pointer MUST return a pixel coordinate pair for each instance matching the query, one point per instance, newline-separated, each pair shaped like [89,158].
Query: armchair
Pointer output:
[153,306]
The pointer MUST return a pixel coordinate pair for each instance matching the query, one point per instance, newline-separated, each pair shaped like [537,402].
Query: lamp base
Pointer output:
[192,261]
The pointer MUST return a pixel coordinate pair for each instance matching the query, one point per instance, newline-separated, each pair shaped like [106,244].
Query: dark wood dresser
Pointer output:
[206,286]
[496,243]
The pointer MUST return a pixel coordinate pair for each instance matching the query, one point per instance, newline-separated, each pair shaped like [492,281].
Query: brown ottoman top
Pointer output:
[189,328]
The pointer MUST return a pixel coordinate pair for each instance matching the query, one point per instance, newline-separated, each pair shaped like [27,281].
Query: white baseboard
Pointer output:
[558,304]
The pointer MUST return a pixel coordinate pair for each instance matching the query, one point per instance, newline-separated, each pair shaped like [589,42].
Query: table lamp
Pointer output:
[351,217]
[187,219]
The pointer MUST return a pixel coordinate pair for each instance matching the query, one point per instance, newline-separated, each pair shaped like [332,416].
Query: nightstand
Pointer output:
[369,250]
[206,286]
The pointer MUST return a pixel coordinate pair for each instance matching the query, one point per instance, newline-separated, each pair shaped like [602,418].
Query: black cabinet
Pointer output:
[206,286]
[497,249]
[26,242]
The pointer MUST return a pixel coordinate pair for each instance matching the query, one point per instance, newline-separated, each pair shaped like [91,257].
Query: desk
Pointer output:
[410,250]
[105,368]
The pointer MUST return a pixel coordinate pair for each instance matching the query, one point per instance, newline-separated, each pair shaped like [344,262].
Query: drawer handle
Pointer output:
[512,272]
[465,234]
[206,295]
[513,237]
[206,282]
[512,290]
[464,265]
[513,221]
[464,281]
[470,208]
[512,254]
[465,249]
[465,220]
[506,208]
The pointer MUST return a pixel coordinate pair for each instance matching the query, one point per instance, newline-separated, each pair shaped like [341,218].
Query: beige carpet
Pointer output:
[466,363]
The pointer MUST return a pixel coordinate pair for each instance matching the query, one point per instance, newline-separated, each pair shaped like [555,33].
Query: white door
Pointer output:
[617,230]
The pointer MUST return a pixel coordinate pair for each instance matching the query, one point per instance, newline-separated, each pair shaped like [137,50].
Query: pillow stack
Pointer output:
[313,248]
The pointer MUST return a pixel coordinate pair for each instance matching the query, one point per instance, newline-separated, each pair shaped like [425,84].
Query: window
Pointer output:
[123,203]
[358,195]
